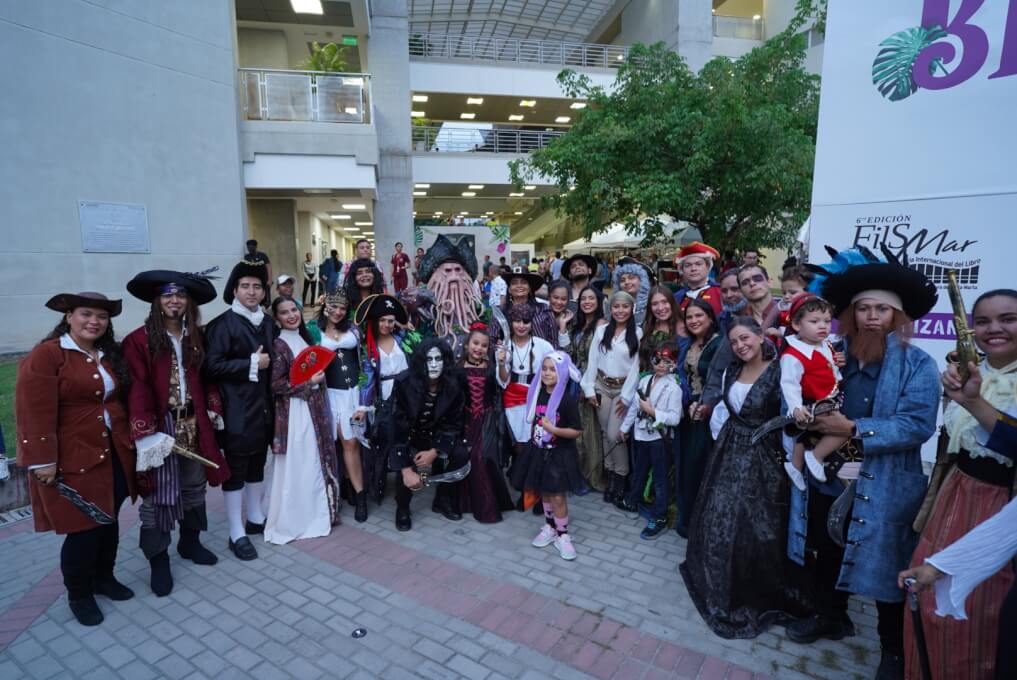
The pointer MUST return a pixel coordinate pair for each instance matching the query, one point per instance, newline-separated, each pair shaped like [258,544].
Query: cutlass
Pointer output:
[97,514]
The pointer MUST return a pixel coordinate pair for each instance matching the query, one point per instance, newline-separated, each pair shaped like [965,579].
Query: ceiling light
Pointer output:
[354,206]
[528,102]
[417,114]
[475,100]
[489,213]
[438,213]
[467,116]
[528,187]
[307,6]
[350,229]
[352,110]
[469,194]
[756,17]
[476,186]
[414,213]
[562,119]
[364,224]
[620,57]
[421,185]
[516,116]
[577,105]
[317,191]
[368,233]
[420,193]
[519,212]
[516,193]
[419,98]
[341,217]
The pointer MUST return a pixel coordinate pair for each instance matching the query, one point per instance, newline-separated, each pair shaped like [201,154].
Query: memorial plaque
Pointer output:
[113,227]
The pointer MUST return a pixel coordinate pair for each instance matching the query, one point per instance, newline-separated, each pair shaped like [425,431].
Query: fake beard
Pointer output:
[734,309]
[455,302]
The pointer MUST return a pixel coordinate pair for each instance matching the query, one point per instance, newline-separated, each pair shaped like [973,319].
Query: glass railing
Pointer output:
[270,94]
[588,55]
[738,27]
[444,139]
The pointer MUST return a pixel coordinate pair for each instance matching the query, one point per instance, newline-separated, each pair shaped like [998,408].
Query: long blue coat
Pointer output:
[891,484]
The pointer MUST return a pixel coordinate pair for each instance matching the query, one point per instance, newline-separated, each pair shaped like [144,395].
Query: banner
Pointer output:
[916,144]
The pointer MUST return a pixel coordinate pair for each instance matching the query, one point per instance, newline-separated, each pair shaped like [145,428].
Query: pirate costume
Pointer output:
[231,362]
[523,364]
[442,323]
[544,327]
[709,291]
[171,409]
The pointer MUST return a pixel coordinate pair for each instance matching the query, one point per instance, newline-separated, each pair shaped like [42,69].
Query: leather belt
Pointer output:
[609,381]
[521,378]
[181,412]
[985,469]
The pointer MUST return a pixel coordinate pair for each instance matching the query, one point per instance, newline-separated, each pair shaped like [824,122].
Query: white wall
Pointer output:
[649,21]
[258,48]
[132,105]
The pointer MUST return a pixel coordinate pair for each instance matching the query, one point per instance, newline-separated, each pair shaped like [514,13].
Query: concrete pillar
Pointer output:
[695,33]
[389,65]
[272,223]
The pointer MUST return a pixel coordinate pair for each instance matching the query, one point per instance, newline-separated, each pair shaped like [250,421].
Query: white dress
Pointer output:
[297,501]
[344,403]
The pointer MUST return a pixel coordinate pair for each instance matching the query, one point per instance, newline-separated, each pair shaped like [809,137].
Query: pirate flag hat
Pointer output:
[377,306]
[534,281]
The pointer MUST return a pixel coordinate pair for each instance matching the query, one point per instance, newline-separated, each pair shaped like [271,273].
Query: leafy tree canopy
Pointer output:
[729,149]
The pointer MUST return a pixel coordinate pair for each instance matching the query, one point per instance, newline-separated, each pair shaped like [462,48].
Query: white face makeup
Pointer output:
[435,364]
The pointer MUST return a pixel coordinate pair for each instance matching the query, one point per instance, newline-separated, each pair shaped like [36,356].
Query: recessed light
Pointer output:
[438,213]
[562,119]
[414,213]
[307,6]
[420,98]
[489,213]
[364,224]
[519,212]
[756,17]
[467,116]
[417,114]
[476,186]
[528,187]
[516,116]
[341,217]
[621,57]
[350,229]
[421,186]
[354,206]
[577,105]
[528,103]
[420,193]
[516,193]
[368,233]
[475,100]
[469,194]
[317,191]
[352,110]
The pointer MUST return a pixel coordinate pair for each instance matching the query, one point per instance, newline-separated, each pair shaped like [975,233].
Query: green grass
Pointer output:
[8,370]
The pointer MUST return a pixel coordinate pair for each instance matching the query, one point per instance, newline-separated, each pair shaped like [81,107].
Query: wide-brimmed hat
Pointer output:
[377,306]
[149,285]
[857,270]
[256,270]
[443,250]
[67,302]
[590,260]
[534,281]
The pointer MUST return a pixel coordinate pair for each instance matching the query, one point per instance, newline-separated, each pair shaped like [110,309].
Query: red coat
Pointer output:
[148,400]
[59,412]
[711,294]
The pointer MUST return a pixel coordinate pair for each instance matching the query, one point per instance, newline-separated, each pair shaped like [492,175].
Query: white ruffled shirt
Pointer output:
[614,363]
[666,398]
[792,370]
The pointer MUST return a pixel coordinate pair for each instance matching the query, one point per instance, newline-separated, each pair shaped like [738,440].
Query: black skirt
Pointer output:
[547,471]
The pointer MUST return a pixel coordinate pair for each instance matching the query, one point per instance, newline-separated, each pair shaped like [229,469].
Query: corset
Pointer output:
[344,371]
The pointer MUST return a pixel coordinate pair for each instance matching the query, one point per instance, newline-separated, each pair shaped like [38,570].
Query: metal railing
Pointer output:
[445,139]
[588,55]
[273,94]
[738,27]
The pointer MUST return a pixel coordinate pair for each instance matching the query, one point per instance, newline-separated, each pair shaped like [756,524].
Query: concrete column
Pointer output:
[695,33]
[389,65]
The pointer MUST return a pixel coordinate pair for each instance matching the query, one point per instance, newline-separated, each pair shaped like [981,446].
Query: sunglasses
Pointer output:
[755,278]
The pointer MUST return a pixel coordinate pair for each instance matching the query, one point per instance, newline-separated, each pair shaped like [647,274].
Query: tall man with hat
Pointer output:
[578,270]
[695,261]
[171,409]
[891,392]
[237,360]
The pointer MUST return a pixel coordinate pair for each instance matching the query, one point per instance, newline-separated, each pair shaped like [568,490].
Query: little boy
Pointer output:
[793,281]
[809,374]
[651,418]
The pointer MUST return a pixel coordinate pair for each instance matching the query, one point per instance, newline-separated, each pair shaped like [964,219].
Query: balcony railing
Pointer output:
[270,94]
[588,55]
[738,27]
[469,140]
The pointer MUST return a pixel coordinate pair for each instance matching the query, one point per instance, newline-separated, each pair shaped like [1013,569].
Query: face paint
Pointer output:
[435,364]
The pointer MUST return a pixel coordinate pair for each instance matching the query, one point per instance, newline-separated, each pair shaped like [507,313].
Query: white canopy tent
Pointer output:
[615,238]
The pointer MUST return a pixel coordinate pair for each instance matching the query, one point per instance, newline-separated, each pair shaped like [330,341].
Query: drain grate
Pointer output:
[17,515]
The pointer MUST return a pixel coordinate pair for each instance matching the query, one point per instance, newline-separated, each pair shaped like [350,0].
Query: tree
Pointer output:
[729,149]
[330,58]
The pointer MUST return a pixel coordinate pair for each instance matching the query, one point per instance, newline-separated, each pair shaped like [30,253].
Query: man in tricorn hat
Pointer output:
[170,406]
[694,262]
[891,392]
[237,361]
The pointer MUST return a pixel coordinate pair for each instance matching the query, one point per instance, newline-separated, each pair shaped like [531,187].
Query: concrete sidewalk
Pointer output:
[446,600]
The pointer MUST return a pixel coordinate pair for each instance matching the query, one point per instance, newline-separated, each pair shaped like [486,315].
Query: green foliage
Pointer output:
[729,149]
[892,68]
[330,58]
[8,371]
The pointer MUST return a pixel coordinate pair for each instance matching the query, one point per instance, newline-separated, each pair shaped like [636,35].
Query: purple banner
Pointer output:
[935,326]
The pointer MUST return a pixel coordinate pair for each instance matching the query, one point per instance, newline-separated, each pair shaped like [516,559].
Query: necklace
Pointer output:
[471,362]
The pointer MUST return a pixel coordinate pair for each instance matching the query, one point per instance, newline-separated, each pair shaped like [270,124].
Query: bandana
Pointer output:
[620,295]
[172,289]
[885,296]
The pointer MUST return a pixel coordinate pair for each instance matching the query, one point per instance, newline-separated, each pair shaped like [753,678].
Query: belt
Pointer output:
[181,412]
[522,379]
[985,469]
[610,382]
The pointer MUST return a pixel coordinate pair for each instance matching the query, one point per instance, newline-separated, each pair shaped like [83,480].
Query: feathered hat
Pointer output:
[443,250]
[151,284]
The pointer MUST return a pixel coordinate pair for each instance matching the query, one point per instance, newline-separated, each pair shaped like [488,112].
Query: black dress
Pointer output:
[736,568]
[550,468]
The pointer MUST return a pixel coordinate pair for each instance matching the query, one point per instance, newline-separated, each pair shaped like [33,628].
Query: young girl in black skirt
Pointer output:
[549,467]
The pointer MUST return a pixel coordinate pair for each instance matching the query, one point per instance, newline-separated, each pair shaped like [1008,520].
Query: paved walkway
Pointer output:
[446,600]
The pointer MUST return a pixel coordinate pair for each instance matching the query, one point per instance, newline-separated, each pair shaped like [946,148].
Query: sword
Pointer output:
[916,619]
[179,450]
[97,514]
[449,477]
[503,324]
[780,422]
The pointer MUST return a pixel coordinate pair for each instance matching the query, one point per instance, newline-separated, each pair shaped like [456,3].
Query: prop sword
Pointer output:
[916,620]
[449,477]
[193,456]
[780,422]
[97,514]
[503,324]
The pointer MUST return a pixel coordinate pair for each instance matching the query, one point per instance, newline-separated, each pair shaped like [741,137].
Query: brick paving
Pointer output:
[446,600]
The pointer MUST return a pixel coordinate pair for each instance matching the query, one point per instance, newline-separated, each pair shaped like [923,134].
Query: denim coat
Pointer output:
[891,484]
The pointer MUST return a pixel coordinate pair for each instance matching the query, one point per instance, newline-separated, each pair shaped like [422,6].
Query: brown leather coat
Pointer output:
[59,413]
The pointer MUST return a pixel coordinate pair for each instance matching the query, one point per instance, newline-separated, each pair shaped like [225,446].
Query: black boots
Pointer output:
[85,610]
[614,487]
[162,579]
[402,518]
[811,628]
[189,547]
[891,666]
[360,511]
[609,485]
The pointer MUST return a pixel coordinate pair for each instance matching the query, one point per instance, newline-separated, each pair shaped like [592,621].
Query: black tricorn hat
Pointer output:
[443,250]
[590,260]
[377,306]
[535,281]
[241,269]
[67,302]
[149,285]
[918,295]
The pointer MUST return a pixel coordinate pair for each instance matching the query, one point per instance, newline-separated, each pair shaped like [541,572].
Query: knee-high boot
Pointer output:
[189,547]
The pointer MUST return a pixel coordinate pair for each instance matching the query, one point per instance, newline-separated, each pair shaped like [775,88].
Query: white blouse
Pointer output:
[736,395]
[520,361]
[615,363]
[390,365]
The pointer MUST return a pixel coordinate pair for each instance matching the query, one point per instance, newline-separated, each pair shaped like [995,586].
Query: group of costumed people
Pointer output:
[664,402]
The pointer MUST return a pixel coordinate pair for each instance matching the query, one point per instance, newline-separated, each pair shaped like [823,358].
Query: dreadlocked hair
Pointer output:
[192,341]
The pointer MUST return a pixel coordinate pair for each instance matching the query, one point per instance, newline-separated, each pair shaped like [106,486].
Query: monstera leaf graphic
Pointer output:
[891,70]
